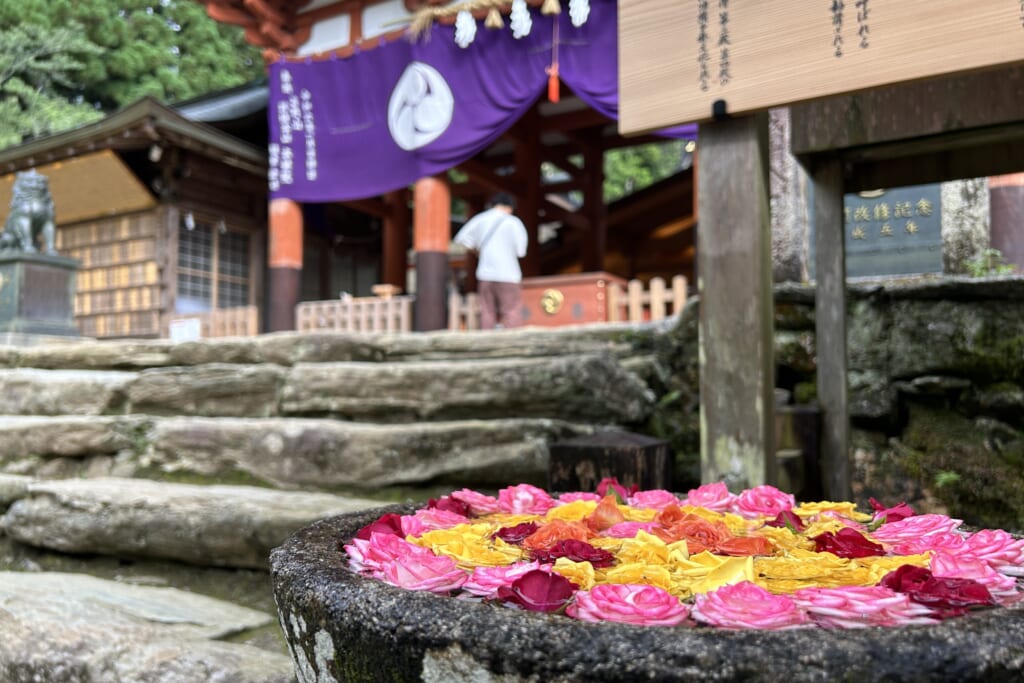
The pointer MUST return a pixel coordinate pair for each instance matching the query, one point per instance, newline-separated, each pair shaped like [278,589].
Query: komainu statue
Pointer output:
[29,226]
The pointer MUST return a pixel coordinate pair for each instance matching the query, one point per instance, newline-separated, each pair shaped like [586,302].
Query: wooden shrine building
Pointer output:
[167,215]
[395,108]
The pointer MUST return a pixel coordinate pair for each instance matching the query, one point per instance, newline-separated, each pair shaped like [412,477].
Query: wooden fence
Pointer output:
[243,321]
[632,304]
[356,314]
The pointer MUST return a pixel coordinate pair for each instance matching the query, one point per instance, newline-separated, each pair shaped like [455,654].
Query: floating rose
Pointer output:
[630,604]
[539,591]
[746,605]
[847,543]
[577,551]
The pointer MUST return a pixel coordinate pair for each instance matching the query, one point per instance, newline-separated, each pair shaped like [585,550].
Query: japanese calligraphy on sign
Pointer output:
[297,128]
[894,232]
[678,57]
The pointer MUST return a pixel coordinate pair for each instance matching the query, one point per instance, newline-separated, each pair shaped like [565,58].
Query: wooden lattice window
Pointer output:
[213,266]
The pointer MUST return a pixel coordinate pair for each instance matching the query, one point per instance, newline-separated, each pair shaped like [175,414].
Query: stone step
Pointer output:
[73,627]
[289,348]
[213,526]
[288,453]
[590,388]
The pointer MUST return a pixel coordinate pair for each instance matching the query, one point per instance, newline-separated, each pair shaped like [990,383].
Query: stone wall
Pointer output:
[936,378]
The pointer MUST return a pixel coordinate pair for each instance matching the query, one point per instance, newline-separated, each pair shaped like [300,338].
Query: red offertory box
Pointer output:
[574,299]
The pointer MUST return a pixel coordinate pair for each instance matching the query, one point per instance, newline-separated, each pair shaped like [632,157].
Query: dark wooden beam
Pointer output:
[481,174]
[374,206]
[573,120]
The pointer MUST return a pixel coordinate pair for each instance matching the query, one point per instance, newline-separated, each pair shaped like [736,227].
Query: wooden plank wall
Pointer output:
[120,292]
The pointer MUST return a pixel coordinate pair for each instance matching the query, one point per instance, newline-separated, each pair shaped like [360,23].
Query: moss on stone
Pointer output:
[989,488]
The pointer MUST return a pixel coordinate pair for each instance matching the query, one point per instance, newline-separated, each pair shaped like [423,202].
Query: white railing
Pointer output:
[243,321]
[356,314]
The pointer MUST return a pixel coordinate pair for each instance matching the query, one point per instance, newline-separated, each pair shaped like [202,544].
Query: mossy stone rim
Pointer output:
[345,627]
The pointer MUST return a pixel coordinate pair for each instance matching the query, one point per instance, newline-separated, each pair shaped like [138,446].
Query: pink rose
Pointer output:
[714,496]
[371,556]
[628,529]
[1001,550]
[763,501]
[479,503]
[436,518]
[747,605]
[948,541]
[524,499]
[539,591]
[434,573]
[611,485]
[655,499]
[578,495]
[860,607]
[485,581]
[629,603]
[947,565]
[914,527]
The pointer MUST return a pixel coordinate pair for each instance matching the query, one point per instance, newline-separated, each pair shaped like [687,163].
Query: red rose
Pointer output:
[538,591]
[787,519]
[577,551]
[515,534]
[387,524]
[894,514]
[847,543]
[948,597]
[449,504]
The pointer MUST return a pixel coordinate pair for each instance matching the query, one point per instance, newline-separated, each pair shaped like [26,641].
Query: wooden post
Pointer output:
[527,160]
[284,263]
[593,205]
[394,265]
[830,327]
[431,237]
[736,309]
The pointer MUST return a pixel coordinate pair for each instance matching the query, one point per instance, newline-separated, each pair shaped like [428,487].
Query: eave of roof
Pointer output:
[155,121]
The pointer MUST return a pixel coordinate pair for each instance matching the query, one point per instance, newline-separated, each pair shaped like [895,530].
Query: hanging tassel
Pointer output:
[551,7]
[553,82]
[520,19]
[579,10]
[494,19]
[465,29]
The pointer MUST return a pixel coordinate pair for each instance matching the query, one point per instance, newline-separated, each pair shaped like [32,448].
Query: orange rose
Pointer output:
[554,531]
[606,514]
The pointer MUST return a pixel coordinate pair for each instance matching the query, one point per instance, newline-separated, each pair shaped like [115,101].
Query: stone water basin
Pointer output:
[341,626]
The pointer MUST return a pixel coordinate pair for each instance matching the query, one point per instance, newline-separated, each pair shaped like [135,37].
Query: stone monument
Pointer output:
[37,287]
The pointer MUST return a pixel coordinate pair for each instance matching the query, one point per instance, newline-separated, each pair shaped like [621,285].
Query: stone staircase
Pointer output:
[211,453]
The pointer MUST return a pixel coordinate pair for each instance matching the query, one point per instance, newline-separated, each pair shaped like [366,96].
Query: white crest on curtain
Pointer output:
[420,108]
[579,10]
[465,28]
[520,19]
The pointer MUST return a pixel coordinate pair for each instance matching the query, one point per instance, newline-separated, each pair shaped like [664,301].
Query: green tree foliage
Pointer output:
[37,71]
[99,55]
[634,168]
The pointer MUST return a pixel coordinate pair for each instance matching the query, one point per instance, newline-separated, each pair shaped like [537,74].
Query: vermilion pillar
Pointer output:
[431,236]
[284,261]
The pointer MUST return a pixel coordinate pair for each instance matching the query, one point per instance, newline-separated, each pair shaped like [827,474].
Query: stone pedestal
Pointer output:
[37,294]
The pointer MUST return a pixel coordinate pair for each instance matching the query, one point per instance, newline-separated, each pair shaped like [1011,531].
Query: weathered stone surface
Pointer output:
[233,526]
[326,454]
[346,627]
[567,387]
[62,392]
[98,355]
[213,389]
[65,435]
[69,627]
[12,487]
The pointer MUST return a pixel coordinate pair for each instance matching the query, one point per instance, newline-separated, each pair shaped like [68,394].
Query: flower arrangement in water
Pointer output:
[714,558]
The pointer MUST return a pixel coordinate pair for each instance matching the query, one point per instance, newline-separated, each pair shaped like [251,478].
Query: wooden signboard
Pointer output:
[679,62]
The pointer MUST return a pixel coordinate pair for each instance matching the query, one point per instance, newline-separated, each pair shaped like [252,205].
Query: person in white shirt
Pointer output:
[499,238]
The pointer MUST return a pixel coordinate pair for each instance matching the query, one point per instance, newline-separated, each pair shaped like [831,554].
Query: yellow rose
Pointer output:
[576,511]
[580,573]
